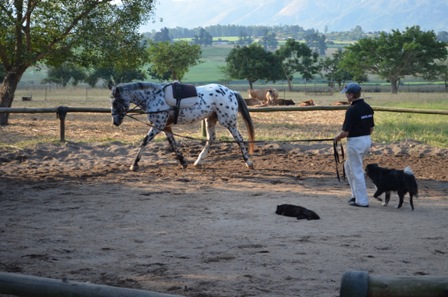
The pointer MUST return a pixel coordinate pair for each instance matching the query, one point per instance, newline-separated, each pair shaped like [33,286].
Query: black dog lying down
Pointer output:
[298,212]
[388,180]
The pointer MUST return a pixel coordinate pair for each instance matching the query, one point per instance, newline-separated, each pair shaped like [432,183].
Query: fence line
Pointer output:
[33,286]
[61,111]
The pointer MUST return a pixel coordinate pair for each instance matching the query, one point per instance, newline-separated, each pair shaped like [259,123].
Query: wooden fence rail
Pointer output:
[61,111]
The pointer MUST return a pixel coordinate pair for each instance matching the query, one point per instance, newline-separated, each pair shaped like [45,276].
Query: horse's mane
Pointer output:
[135,86]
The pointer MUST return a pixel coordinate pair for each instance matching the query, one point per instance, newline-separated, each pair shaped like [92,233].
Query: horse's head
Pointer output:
[119,106]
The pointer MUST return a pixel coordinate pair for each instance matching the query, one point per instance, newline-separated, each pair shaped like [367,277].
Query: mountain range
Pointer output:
[323,15]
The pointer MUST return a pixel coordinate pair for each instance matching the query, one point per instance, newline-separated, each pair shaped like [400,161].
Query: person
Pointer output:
[357,127]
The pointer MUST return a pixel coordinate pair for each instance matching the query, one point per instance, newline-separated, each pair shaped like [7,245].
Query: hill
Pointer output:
[323,15]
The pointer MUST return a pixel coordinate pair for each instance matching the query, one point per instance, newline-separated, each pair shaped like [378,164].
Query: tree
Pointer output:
[119,76]
[268,41]
[204,38]
[2,72]
[316,42]
[244,39]
[439,72]
[84,32]
[163,35]
[442,36]
[332,72]
[65,73]
[252,63]
[297,57]
[172,60]
[395,55]
[357,33]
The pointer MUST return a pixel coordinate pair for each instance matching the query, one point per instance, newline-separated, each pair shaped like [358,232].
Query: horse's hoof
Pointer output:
[134,167]
[250,165]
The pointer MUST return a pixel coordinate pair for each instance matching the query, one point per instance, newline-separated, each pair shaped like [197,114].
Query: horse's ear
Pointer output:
[111,83]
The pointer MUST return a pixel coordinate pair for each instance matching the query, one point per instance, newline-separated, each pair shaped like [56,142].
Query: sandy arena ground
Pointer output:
[75,211]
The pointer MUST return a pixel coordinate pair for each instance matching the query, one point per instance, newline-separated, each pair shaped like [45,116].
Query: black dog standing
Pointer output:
[388,180]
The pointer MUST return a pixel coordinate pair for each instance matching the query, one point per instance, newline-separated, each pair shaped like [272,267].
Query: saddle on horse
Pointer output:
[180,96]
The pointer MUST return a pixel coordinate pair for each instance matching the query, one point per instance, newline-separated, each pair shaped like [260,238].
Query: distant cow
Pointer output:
[307,103]
[282,102]
[253,102]
[271,95]
[266,96]
[341,103]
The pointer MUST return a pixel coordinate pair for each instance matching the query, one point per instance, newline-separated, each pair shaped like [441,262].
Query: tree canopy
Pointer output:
[170,61]
[84,32]
[252,63]
[333,73]
[297,57]
[394,55]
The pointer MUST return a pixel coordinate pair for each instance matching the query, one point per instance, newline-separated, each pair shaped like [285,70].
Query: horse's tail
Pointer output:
[242,108]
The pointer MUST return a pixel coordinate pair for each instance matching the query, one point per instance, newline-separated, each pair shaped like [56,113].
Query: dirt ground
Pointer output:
[75,211]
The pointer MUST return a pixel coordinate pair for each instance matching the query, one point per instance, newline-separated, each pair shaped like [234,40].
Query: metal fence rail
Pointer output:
[33,286]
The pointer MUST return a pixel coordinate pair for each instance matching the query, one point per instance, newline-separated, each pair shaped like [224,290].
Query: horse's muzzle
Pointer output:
[117,121]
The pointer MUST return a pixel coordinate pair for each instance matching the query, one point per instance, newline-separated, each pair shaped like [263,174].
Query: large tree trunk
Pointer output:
[394,85]
[7,91]
[289,85]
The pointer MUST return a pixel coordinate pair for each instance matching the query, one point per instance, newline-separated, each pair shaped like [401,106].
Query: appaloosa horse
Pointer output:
[163,106]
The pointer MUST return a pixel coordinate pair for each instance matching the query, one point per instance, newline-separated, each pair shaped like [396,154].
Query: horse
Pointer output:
[214,103]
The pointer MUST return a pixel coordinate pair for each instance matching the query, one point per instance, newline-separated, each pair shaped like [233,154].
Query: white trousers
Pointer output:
[357,150]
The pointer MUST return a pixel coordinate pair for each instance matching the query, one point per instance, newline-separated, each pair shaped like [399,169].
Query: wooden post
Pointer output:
[61,113]
[32,286]
[360,284]
[203,129]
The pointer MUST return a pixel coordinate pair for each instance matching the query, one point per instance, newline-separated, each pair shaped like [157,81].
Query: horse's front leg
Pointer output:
[150,136]
[175,147]
[210,124]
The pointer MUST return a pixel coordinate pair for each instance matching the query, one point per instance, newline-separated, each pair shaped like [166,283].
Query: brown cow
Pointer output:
[252,102]
[341,103]
[257,94]
[271,95]
[307,103]
[266,96]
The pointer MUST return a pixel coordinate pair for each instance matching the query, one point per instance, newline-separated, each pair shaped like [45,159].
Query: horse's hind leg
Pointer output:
[210,124]
[151,134]
[175,147]
[239,139]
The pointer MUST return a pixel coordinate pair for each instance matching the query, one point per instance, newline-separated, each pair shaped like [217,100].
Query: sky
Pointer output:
[341,15]
[202,13]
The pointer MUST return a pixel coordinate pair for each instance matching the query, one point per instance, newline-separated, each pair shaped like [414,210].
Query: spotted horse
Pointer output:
[212,102]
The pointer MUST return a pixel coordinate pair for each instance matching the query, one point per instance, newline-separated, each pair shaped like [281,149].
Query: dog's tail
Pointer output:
[412,183]
[408,170]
